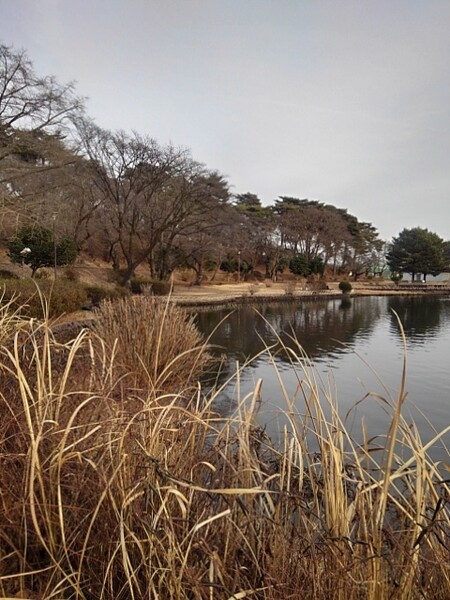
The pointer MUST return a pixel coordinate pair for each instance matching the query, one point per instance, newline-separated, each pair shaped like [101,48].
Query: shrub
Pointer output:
[316,266]
[43,273]
[65,297]
[34,298]
[299,265]
[42,249]
[316,285]
[396,277]
[234,265]
[5,274]
[229,266]
[139,284]
[96,293]
[345,287]
[211,264]
[136,285]
[160,288]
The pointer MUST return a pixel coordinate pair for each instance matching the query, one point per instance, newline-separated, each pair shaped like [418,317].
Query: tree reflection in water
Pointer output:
[357,345]
[321,327]
[420,317]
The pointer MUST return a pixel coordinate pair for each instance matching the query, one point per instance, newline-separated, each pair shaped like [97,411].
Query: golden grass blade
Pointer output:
[125,482]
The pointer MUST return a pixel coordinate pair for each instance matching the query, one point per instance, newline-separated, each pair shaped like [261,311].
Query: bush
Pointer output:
[139,284]
[31,297]
[5,274]
[316,285]
[43,273]
[96,293]
[42,249]
[299,265]
[345,287]
[160,288]
[396,277]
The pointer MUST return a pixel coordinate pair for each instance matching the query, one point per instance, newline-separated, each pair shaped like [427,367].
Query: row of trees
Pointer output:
[132,201]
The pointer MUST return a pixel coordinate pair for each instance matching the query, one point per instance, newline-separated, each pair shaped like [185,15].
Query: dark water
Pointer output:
[357,351]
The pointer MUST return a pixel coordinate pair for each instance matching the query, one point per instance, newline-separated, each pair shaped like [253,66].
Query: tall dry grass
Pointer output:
[152,343]
[105,495]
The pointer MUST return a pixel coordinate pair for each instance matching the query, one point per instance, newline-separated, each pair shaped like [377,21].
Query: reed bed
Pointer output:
[116,487]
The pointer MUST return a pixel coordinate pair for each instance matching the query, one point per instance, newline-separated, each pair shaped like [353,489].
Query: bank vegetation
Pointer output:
[120,480]
[69,187]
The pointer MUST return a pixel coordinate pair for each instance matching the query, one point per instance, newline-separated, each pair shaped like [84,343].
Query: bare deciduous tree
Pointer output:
[36,115]
[29,102]
[148,196]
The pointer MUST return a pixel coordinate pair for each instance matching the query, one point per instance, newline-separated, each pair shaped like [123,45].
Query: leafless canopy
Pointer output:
[30,102]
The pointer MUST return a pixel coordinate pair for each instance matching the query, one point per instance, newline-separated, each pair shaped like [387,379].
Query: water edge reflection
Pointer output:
[356,349]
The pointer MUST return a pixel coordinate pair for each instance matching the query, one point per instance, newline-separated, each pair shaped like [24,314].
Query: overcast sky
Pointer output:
[346,102]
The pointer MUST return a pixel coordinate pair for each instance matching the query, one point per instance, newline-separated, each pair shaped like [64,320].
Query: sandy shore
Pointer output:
[245,292]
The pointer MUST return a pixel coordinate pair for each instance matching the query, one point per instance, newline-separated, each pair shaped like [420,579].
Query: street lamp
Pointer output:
[239,266]
[266,265]
[24,253]
[54,245]
[54,215]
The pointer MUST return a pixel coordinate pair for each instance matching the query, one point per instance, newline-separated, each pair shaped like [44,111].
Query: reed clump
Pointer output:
[108,493]
[154,345]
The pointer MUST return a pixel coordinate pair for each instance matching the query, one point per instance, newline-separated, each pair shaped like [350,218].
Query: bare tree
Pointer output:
[205,233]
[36,115]
[148,194]
[29,102]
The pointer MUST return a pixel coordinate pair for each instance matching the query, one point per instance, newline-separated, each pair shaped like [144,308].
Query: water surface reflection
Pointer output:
[421,317]
[321,327]
[357,351]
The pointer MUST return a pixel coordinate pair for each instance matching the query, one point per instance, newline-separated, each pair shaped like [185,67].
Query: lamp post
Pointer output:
[239,266]
[55,261]
[266,265]
[24,253]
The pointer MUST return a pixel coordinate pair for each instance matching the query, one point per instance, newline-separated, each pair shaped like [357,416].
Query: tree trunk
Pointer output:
[199,273]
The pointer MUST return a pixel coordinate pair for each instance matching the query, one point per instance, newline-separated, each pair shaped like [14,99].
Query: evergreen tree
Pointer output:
[37,247]
[417,251]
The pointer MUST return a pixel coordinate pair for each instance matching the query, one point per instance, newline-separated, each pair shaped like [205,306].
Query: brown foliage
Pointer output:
[103,496]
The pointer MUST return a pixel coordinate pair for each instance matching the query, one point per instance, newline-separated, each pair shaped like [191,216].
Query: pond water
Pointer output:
[357,351]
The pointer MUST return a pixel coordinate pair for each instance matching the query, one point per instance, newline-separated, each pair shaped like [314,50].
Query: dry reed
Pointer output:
[168,501]
[155,344]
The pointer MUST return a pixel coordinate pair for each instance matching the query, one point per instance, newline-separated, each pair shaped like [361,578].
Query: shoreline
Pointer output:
[219,297]
[225,296]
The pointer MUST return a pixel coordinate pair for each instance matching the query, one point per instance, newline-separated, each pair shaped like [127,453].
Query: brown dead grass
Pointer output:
[115,492]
